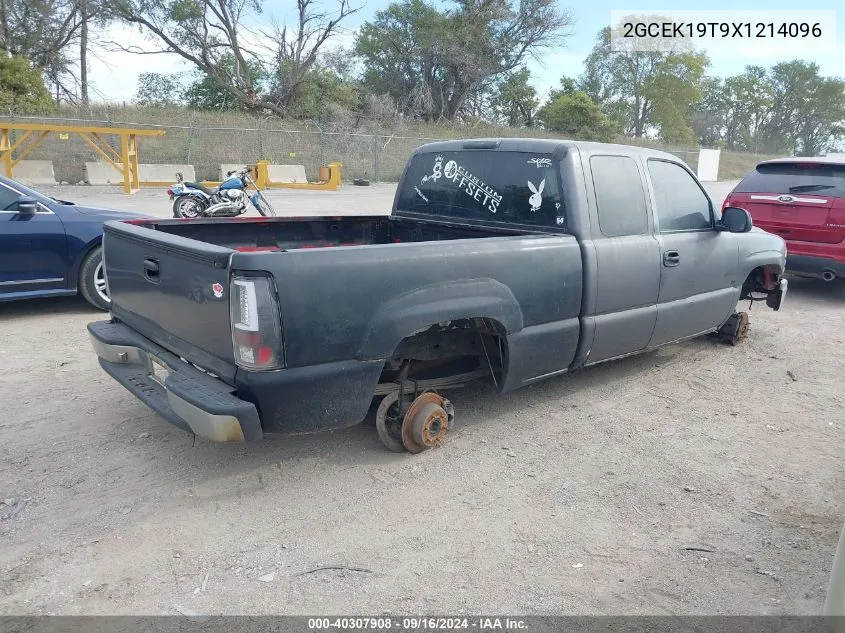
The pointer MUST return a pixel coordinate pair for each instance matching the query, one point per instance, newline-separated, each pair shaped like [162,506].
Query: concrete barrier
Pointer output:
[148,172]
[286,173]
[276,173]
[35,172]
[105,174]
[102,174]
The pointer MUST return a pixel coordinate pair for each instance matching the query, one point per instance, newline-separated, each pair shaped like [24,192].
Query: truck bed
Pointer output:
[285,234]
[343,311]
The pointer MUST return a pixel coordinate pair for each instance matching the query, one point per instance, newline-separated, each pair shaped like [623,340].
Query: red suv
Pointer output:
[803,201]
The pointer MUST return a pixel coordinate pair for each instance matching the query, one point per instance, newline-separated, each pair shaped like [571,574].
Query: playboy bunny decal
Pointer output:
[536,199]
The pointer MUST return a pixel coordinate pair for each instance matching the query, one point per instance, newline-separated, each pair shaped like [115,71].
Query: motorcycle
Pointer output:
[193,200]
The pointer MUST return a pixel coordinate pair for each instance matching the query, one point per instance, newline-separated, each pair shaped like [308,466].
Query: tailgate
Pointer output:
[804,218]
[173,290]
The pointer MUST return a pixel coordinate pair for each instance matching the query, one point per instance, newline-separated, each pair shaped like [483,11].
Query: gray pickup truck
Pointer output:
[507,260]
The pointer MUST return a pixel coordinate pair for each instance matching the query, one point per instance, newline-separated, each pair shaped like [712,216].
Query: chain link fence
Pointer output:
[377,157]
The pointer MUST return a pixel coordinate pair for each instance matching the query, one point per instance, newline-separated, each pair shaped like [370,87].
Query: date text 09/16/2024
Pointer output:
[418,623]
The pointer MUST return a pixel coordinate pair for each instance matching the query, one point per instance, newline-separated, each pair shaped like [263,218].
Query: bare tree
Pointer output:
[212,36]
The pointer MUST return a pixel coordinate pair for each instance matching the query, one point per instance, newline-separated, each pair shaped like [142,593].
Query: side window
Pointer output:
[681,204]
[8,198]
[619,196]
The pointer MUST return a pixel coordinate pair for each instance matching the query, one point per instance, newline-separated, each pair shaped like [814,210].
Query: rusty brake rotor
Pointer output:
[426,422]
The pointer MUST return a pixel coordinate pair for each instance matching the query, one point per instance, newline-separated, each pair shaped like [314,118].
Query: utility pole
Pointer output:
[83,51]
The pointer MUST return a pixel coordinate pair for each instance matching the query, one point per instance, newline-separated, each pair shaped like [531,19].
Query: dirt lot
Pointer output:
[588,494]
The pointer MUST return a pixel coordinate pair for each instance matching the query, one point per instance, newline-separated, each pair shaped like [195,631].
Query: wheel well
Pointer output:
[450,348]
[761,280]
[83,254]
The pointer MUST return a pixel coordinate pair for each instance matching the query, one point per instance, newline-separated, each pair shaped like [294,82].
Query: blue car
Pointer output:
[51,247]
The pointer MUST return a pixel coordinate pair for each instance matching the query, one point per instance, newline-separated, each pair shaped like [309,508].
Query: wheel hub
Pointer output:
[426,422]
[100,282]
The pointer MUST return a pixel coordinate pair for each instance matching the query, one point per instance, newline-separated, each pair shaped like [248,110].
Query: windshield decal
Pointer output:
[540,162]
[420,193]
[474,187]
[435,173]
[536,199]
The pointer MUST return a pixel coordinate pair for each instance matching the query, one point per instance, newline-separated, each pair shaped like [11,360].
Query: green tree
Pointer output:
[44,32]
[751,101]
[673,89]
[432,60]
[644,89]
[323,94]
[206,92]
[22,87]
[577,116]
[808,110]
[158,90]
[212,35]
[710,115]
[515,100]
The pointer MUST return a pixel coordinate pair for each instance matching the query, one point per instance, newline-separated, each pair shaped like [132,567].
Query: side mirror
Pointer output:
[735,220]
[27,206]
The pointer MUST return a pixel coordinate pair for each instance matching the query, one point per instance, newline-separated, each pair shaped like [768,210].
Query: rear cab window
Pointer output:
[620,198]
[795,178]
[485,186]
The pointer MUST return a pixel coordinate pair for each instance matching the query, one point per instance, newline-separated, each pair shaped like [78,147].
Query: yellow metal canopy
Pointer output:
[125,162]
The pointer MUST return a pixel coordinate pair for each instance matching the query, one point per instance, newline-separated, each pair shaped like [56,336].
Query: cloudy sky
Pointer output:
[115,75]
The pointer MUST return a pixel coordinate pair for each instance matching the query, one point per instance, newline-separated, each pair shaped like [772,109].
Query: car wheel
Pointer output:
[92,280]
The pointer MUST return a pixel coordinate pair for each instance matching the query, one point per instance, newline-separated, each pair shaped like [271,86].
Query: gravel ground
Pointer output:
[697,479]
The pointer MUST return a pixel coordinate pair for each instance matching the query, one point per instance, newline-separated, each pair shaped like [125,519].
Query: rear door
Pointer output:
[795,200]
[627,257]
[173,290]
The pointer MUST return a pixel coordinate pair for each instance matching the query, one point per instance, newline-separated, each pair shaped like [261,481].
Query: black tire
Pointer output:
[264,207]
[90,277]
[181,203]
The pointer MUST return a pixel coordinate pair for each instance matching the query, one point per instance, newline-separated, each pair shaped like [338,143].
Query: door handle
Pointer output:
[151,271]
[671,258]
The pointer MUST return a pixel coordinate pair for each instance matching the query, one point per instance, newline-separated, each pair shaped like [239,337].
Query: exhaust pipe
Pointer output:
[828,275]
[223,208]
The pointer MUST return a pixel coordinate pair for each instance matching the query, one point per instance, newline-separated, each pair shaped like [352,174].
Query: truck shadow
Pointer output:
[476,407]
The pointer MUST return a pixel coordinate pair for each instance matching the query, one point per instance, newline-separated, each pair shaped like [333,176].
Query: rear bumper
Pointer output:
[811,266]
[187,397]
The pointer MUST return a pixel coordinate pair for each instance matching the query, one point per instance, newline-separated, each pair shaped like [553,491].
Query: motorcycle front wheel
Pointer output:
[187,207]
[262,205]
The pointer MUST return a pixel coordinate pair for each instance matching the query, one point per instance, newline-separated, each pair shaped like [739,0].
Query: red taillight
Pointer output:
[265,355]
[256,323]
